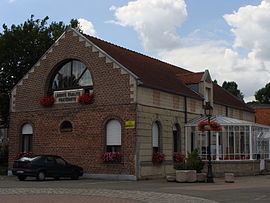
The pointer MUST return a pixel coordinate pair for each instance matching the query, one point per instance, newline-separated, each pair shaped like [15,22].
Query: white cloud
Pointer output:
[11,1]
[154,20]
[246,60]
[251,27]
[87,27]
[224,63]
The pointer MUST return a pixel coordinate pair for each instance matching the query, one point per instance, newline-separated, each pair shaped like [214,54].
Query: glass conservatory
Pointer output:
[237,140]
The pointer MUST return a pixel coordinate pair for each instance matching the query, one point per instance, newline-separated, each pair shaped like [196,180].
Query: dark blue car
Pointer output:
[42,166]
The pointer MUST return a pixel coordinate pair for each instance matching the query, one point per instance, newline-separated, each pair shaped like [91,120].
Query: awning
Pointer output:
[224,121]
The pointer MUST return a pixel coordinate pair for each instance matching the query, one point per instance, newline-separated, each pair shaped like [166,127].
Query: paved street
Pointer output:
[245,189]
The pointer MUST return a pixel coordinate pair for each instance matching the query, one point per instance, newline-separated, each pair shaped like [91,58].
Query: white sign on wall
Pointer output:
[67,96]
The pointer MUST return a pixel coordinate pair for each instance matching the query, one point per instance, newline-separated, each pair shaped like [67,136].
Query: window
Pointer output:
[60,161]
[66,126]
[113,136]
[156,137]
[72,75]
[27,133]
[176,138]
[207,95]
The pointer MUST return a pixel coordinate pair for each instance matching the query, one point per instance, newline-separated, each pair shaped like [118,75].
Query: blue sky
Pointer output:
[228,37]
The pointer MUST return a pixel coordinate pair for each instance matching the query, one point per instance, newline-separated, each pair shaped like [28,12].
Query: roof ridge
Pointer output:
[144,55]
[192,73]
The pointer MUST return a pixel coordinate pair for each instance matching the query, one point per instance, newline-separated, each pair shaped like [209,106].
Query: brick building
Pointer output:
[139,105]
[262,113]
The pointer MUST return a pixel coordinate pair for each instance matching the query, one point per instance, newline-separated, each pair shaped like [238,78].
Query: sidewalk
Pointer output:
[245,189]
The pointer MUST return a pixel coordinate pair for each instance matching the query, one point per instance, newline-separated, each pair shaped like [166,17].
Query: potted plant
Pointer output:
[206,126]
[186,171]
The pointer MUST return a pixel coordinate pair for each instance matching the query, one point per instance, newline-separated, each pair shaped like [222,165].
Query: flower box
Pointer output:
[178,157]
[111,157]
[47,100]
[158,157]
[86,98]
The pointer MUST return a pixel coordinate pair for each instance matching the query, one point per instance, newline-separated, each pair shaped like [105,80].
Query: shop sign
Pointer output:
[67,96]
[130,124]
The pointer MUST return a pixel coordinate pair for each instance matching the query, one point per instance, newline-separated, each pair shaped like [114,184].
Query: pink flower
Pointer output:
[85,98]
[178,157]
[111,157]
[47,100]
[205,125]
[158,157]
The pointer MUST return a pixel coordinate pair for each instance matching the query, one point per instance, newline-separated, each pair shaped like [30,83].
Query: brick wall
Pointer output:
[262,115]
[84,145]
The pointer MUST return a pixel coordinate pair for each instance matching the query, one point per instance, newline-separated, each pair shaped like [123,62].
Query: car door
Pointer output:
[63,167]
[50,166]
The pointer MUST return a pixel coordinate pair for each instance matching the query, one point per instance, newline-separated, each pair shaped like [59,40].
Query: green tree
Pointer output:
[232,87]
[263,95]
[20,48]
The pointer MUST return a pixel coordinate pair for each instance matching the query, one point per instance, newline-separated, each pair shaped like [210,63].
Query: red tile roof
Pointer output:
[151,72]
[191,78]
[160,75]
[222,96]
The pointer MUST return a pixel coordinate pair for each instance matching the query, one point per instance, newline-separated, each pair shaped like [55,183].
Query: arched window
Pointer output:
[66,126]
[27,134]
[176,138]
[72,75]
[156,137]
[113,136]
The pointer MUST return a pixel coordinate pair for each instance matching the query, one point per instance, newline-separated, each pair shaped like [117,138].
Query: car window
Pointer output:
[50,159]
[60,161]
[38,160]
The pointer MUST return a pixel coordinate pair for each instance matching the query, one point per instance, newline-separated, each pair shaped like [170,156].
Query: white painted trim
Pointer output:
[250,143]
[217,146]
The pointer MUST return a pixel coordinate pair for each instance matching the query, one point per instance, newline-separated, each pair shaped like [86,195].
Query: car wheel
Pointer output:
[21,178]
[41,175]
[75,175]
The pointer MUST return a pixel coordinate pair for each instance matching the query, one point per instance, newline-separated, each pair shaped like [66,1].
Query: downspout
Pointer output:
[185,128]
[185,110]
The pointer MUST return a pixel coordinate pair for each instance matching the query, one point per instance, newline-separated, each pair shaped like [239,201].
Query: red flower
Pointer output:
[111,157]
[158,157]
[85,98]
[47,100]
[178,157]
[205,125]
[24,154]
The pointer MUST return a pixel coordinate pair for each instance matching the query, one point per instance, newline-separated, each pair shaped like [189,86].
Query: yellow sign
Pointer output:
[130,124]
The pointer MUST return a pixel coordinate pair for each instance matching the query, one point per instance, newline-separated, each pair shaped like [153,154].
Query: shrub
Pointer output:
[192,162]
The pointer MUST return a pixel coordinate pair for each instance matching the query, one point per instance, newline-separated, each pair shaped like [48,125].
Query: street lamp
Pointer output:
[208,112]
